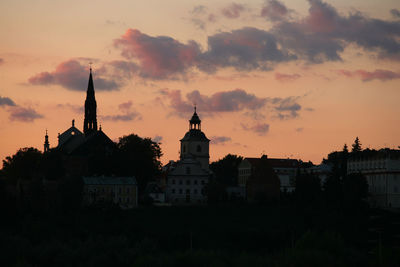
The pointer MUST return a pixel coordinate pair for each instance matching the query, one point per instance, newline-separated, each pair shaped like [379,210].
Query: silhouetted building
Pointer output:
[187,178]
[93,143]
[382,171]
[286,170]
[263,183]
[121,191]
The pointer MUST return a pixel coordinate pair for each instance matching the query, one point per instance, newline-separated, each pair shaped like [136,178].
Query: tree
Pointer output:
[25,164]
[226,169]
[345,149]
[139,157]
[308,188]
[356,147]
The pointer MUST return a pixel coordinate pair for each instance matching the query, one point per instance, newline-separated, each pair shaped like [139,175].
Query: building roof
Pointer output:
[195,135]
[276,162]
[106,180]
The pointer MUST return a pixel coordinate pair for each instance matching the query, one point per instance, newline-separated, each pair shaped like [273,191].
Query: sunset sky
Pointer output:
[286,78]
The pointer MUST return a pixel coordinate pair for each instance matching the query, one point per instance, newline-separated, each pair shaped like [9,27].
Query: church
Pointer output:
[187,180]
[81,148]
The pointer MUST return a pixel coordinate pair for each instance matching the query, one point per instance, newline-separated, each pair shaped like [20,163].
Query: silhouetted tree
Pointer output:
[139,157]
[226,169]
[345,149]
[25,164]
[356,147]
[308,188]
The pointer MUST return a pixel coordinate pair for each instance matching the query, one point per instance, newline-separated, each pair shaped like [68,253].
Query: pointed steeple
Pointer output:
[46,143]
[90,121]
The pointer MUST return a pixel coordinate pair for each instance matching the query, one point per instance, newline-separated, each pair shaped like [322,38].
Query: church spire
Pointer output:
[90,121]
[46,143]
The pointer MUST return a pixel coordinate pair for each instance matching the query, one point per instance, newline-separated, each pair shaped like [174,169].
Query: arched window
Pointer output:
[184,149]
[198,148]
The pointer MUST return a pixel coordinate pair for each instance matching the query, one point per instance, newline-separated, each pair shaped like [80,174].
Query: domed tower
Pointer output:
[195,143]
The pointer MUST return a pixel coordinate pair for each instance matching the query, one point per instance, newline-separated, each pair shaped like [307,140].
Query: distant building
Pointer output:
[382,171]
[187,178]
[121,191]
[155,192]
[285,169]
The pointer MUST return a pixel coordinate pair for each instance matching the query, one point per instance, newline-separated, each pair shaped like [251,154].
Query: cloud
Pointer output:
[199,10]
[1,61]
[232,11]
[274,10]
[366,76]
[259,128]
[157,138]
[322,35]
[299,130]
[395,13]
[220,140]
[244,49]
[128,113]
[285,108]
[158,57]
[282,77]
[72,75]
[75,108]
[22,114]
[225,101]
[6,101]
[122,117]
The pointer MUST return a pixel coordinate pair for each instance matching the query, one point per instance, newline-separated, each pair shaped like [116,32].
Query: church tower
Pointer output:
[195,143]
[46,143]
[90,121]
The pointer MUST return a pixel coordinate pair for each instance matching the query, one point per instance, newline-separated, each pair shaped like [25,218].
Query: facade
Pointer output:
[187,178]
[121,191]
[285,169]
[382,171]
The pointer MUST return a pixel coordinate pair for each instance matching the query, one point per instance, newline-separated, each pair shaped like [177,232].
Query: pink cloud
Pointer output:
[220,140]
[282,77]
[227,101]
[159,57]
[258,128]
[366,76]
[274,10]
[72,75]
[1,61]
[22,114]
[232,11]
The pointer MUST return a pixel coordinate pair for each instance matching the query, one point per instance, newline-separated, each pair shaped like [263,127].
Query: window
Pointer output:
[195,191]
[127,190]
[127,200]
[173,181]
[202,182]
[188,182]
[198,148]
[173,191]
[187,191]
[188,171]
[180,181]
[195,181]
[184,149]
[180,191]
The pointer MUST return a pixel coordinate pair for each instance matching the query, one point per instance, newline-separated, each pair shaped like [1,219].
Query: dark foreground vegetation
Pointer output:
[239,235]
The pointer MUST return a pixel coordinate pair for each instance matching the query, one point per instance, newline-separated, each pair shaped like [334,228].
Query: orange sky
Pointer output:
[284,78]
